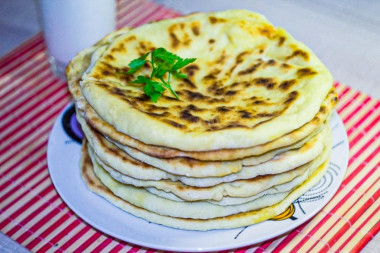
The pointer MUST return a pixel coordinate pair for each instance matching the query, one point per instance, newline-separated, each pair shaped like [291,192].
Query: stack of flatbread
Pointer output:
[247,137]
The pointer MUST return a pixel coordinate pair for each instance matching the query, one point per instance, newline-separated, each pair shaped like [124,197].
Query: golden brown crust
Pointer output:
[250,80]
[224,154]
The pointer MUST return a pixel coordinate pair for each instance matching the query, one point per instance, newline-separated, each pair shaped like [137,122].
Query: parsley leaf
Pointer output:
[178,74]
[182,63]
[161,53]
[162,62]
[141,79]
[137,64]
[153,90]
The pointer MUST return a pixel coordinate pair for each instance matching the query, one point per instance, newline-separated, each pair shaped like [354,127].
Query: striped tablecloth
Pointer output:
[32,213]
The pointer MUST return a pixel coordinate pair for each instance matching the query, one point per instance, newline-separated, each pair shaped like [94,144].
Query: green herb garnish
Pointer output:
[162,62]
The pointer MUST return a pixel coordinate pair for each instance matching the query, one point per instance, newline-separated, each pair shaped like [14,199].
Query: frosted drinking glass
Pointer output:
[72,25]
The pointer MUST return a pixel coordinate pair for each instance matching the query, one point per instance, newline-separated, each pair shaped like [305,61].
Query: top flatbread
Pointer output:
[251,83]
[298,135]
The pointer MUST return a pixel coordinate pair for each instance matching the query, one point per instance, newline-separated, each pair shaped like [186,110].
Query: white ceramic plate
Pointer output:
[63,162]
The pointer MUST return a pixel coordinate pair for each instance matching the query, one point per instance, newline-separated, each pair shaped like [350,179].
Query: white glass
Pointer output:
[72,25]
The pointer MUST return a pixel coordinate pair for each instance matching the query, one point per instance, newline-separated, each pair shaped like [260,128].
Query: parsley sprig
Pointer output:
[162,62]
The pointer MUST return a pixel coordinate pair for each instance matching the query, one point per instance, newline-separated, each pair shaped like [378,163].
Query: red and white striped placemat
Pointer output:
[32,213]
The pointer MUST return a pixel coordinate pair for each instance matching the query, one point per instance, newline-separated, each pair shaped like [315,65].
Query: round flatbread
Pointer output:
[251,83]
[284,160]
[298,135]
[105,187]
[237,189]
